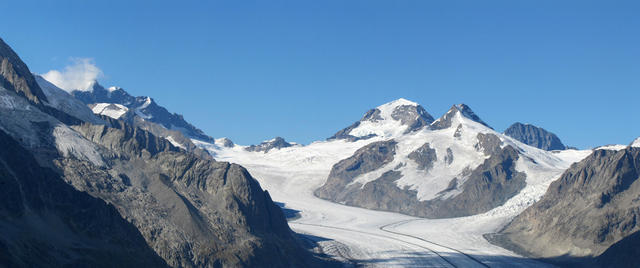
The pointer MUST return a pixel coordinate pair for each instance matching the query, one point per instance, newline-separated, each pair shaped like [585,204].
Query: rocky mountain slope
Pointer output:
[115,102]
[454,166]
[167,205]
[400,159]
[535,136]
[591,211]
[46,222]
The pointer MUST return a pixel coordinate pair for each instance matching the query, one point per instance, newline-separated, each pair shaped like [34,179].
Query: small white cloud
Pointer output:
[80,75]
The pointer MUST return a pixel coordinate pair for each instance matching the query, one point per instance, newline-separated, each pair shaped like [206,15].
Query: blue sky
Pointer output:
[251,70]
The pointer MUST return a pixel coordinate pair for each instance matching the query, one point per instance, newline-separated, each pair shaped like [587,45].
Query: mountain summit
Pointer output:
[464,110]
[387,120]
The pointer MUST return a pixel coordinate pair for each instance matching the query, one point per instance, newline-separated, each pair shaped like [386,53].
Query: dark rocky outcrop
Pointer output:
[535,136]
[44,222]
[225,142]
[266,146]
[366,159]
[449,157]
[413,116]
[424,156]
[592,210]
[488,143]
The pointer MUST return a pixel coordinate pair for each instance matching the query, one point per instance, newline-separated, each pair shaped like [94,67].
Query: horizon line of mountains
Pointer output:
[116,102]
[94,177]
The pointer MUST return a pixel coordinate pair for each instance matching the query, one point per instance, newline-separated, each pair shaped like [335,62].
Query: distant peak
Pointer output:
[113,88]
[224,142]
[535,136]
[266,146]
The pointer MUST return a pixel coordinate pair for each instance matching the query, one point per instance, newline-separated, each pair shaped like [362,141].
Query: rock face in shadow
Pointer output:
[488,186]
[424,156]
[623,253]
[594,205]
[414,116]
[535,136]
[44,222]
[368,158]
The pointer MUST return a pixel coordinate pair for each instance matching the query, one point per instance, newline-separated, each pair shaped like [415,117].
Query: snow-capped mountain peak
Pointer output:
[266,146]
[391,119]
[463,111]
[395,103]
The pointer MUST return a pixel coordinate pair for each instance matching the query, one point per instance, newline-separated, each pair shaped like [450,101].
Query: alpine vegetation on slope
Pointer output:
[535,136]
[593,206]
[456,166]
[189,209]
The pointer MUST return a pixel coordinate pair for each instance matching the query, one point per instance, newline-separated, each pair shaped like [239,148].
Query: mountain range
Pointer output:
[94,177]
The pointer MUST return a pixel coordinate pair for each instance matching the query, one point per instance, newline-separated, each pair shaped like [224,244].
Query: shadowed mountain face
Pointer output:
[46,222]
[535,136]
[165,206]
[594,205]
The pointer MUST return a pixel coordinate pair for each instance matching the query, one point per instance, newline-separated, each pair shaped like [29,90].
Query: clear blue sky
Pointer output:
[251,70]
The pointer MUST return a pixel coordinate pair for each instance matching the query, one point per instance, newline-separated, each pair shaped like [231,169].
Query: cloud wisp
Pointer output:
[80,75]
